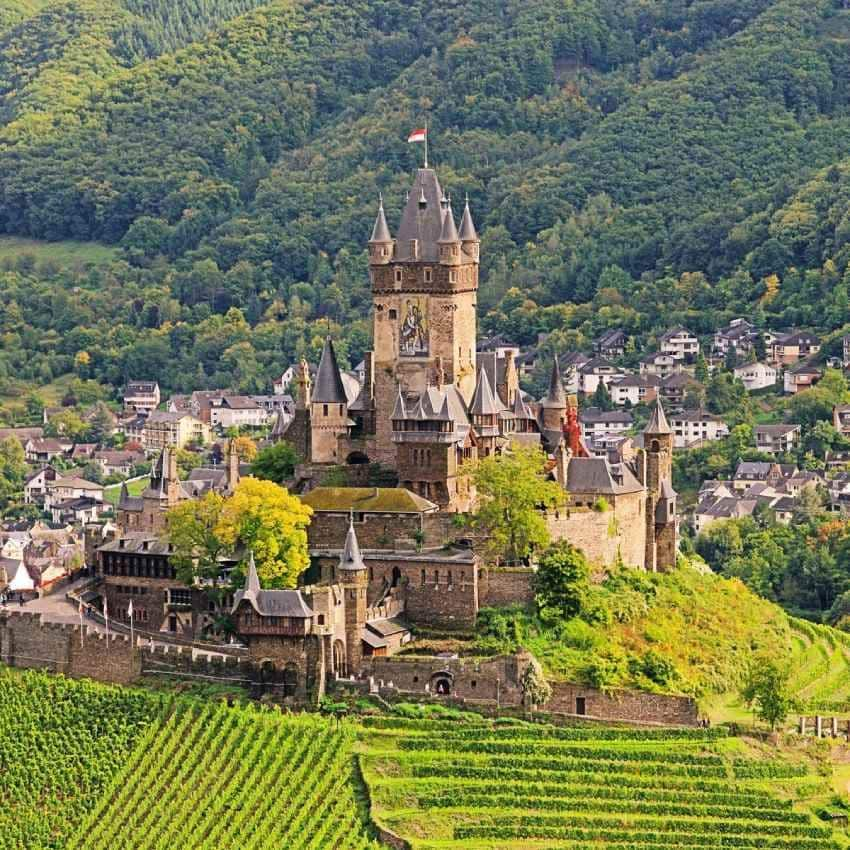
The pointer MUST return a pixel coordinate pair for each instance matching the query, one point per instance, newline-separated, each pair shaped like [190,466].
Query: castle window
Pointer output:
[398,275]
[423,576]
[428,276]
[340,410]
[450,578]
[415,679]
[436,576]
[321,619]
[324,410]
[371,574]
[393,314]
[473,683]
[452,276]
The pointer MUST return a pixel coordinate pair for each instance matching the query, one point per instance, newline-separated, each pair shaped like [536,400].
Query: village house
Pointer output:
[596,371]
[35,485]
[571,366]
[739,335]
[680,344]
[801,377]
[692,428]
[141,396]
[777,439]
[80,510]
[596,422]
[675,388]
[611,343]
[749,472]
[237,411]
[71,487]
[173,430]
[659,363]
[46,449]
[756,376]
[788,349]
[118,461]
[635,389]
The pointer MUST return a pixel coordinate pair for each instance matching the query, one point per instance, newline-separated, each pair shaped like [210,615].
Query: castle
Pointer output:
[430,403]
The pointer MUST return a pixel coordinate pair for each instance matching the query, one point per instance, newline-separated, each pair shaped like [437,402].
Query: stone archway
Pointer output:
[357,459]
[441,683]
[396,577]
[339,658]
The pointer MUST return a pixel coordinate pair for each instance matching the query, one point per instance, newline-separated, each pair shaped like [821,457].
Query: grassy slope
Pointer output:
[135,488]
[61,253]
[427,781]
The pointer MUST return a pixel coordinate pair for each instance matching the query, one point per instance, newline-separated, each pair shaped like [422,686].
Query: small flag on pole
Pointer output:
[81,622]
[130,615]
[106,619]
[418,135]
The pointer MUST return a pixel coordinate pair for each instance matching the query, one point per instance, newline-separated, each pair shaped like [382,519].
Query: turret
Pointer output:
[449,241]
[328,408]
[470,243]
[354,578]
[302,384]
[554,405]
[381,243]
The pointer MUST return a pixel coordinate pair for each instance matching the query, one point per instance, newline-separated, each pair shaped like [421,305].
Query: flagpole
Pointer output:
[426,144]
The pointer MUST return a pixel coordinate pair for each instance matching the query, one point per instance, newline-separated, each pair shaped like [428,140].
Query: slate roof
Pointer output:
[351,560]
[467,227]
[658,423]
[593,415]
[483,400]
[777,430]
[329,388]
[422,218]
[271,603]
[555,397]
[381,232]
[597,476]
[448,232]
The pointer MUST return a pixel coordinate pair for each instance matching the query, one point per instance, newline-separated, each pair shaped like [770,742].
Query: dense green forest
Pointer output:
[629,163]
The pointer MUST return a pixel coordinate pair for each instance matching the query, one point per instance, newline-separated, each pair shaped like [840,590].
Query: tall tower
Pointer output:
[553,408]
[424,299]
[354,578]
[328,409]
[656,471]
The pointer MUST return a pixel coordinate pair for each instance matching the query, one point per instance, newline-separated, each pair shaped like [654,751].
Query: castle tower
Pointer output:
[302,386]
[655,466]
[298,432]
[354,578]
[328,409]
[233,474]
[424,295]
[554,405]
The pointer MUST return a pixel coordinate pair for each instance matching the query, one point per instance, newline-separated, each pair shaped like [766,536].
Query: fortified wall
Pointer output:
[494,685]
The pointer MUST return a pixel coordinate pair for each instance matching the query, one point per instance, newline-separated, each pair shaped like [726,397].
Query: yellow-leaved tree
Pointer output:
[264,518]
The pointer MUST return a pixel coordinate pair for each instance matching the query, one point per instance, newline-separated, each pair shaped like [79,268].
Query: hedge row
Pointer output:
[536,749]
[457,798]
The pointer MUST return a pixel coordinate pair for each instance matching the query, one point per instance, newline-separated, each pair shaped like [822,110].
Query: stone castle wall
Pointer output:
[605,536]
[494,683]
[504,586]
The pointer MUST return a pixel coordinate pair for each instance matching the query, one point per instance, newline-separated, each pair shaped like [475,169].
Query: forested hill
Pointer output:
[630,163]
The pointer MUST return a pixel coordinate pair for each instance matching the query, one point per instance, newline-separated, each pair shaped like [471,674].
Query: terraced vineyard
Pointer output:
[222,777]
[821,681]
[505,787]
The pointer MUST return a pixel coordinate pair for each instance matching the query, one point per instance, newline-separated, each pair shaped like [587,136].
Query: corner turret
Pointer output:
[381,244]
[470,243]
[449,241]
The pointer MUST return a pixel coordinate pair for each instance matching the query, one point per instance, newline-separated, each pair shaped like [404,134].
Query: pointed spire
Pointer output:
[483,401]
[124,498]
[449,232]
[329,388]
[399,411]
[381,232]
[521,409]
[252,580]
[423,201]
[658,423]
[467,227]
[555,397]
[351,559]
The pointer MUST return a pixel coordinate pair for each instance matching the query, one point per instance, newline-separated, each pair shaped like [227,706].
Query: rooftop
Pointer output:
[367,500]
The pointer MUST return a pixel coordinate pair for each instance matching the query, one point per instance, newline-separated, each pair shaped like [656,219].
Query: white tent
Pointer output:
[22,580]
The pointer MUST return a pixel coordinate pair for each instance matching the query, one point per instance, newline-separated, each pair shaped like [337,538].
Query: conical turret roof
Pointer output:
[329,388]
[400,409]
[252,580]
[467,227]
[658,423]
[351,559]
[381,232]
[483,401]
[280,424]
[555,397]
[448,233]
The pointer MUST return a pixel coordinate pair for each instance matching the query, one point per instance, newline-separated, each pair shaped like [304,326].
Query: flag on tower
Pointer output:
[418,135]
[130,610]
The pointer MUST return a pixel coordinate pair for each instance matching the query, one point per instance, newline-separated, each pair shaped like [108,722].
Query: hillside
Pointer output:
[119,768]
[629,164]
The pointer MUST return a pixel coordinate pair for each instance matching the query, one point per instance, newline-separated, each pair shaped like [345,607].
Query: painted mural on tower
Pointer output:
[413,334]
